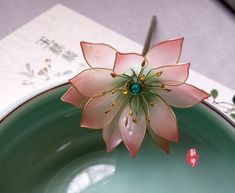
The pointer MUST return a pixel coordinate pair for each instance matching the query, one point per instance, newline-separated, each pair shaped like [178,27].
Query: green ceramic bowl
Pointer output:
[43,150]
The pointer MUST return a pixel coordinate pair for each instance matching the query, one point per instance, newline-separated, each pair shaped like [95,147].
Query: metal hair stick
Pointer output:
[149,36]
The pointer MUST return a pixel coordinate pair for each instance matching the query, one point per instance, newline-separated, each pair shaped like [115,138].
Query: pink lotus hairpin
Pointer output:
[126,94]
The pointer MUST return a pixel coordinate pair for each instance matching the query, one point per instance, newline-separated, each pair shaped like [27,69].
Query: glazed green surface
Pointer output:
[43,150]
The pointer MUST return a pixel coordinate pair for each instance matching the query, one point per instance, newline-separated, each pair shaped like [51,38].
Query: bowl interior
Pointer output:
[43,150]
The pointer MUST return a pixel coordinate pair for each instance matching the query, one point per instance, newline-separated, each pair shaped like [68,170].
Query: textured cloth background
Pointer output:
[207,26]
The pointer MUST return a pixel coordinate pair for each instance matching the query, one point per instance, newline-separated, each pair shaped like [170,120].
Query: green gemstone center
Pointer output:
[135,88]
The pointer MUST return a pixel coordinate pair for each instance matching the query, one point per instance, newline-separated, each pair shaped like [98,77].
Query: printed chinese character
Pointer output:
[193,152]
[192,157]
[193,162]
[45,41]
[69,55]
[56,48]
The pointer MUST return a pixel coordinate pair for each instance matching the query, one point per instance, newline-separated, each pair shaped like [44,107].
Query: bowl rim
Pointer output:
[11,111]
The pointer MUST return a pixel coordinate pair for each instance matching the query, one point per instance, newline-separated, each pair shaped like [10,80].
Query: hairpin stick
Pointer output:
[149,36]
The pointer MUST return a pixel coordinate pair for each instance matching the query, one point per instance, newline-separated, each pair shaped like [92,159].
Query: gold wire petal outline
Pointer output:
[101,44]
[174,39]
[116,116]
[141,142]
[150,130]
[177,125]
[169,66]
[120,53]
[208,95]
[87,70]
[83,101]
[107,122]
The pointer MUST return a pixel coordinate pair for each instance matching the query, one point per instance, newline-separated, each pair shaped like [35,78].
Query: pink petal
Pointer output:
[75,98]
[111,134]
[93,81]
[94,115]
[160,141]
[165,53]
[132,133]
[98,55]
[183,96]
[124,62]
[163,121]
[174,74]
